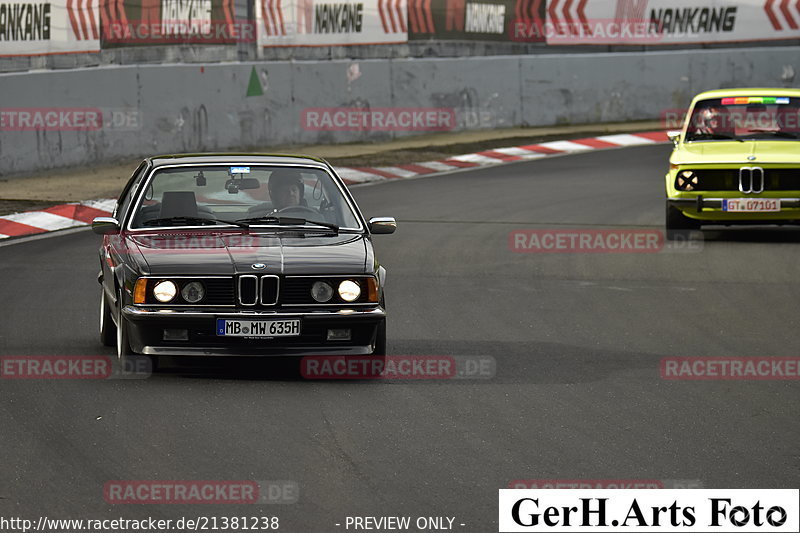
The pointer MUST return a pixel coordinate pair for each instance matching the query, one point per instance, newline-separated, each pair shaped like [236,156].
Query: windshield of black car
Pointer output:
[184,195]
[745,118]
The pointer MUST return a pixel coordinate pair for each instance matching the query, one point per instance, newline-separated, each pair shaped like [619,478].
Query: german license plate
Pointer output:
[257,328]
[751,205]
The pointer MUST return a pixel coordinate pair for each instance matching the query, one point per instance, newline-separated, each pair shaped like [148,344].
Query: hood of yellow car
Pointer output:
[736,152]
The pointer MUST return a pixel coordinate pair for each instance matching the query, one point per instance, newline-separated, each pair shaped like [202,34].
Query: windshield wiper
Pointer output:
[275,219]
[777,133]
[714,136]
[191,220]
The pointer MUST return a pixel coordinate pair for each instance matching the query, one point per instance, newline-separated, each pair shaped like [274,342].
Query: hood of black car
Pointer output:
[217,253]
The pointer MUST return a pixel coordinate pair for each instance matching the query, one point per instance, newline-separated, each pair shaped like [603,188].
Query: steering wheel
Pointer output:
[301,208]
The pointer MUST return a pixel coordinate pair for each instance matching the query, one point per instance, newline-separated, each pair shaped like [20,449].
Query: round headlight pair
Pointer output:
[349,291]
[165,291]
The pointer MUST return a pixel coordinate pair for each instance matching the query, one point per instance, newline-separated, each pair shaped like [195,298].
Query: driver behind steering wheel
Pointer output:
[286,189]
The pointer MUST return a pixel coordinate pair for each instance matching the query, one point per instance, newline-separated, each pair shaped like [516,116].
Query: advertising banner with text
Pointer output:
[331,22]
[154,22]
[474,20]
[31,27]
[667,22]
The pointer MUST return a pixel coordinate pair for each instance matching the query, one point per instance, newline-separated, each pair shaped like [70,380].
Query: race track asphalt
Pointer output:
[577,340]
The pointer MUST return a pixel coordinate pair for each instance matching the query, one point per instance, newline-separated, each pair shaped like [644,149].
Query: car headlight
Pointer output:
[349,290]
[165,291]
[321,291]
[686,180]
[193,292]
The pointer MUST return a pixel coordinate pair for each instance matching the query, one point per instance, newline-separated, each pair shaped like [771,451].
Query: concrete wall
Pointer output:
[150,109]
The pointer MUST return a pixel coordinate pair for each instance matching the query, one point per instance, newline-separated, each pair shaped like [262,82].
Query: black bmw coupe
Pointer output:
[221,254]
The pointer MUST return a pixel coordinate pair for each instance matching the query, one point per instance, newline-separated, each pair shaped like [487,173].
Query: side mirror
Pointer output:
[384,225]
[674,136]
[105,225]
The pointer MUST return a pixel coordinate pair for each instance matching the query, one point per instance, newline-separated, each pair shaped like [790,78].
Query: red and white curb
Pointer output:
[499,156]
[81,214]
[54,218]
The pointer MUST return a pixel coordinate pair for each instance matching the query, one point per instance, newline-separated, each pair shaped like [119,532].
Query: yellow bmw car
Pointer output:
[736,160]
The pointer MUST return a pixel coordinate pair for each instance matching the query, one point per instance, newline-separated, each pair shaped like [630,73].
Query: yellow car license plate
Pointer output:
[751,205]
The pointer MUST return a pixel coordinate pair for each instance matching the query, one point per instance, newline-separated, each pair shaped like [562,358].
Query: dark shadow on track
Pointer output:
[512,363]
[752,234]
[230,367]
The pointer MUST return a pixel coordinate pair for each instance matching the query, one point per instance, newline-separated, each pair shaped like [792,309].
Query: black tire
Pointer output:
[679,225]
[108,330]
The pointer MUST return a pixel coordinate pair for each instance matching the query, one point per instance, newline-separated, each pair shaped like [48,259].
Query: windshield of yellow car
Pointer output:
[745,118]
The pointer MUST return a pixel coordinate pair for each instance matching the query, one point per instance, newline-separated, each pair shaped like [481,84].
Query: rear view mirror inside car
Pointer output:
[239,184]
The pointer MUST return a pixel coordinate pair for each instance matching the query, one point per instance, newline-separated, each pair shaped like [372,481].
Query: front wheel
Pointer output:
[677,224]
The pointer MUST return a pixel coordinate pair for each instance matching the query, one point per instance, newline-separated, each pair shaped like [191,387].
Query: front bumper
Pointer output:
[709,209]
[147,336]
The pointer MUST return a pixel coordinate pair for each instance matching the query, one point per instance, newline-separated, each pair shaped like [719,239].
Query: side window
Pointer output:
[124,201]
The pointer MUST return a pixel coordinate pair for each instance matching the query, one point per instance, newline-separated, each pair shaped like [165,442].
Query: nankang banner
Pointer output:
[473,20]
[331,22]
[29,27]
[154,22]
[667,22]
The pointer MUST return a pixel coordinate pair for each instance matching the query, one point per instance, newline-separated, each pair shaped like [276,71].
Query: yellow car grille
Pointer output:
[735,179]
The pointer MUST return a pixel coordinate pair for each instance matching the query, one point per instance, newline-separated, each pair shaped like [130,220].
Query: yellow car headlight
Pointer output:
[686,180]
